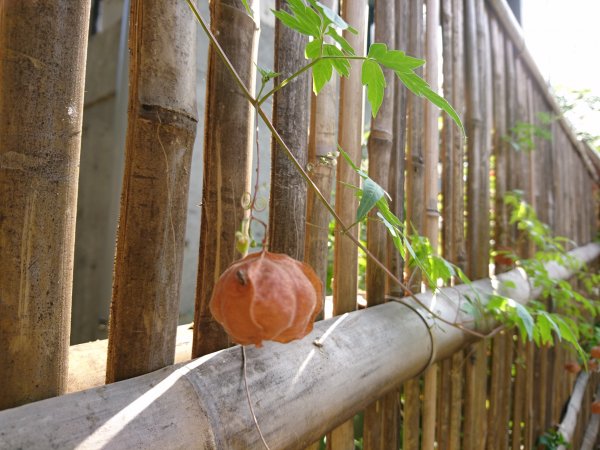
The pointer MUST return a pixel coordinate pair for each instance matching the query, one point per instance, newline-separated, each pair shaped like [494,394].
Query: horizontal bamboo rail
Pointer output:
[202,404]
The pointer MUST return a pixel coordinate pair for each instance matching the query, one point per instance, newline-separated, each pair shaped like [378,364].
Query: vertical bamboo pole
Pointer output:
[432,156]
[381,415]
[227,160]
[498,418]
[287,206]
[397,165]
[150,239]
[322,145]
[479,132]
[453,241]
[415,190]
[350,137]
[43,49]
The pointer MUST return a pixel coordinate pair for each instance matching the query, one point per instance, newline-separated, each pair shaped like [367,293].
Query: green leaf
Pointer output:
[372,192]
[419,87]
[344,44]
[321,72]
[313,49]
[332,16]
[342,65]
[303,20]
[348,159]
[247,6]
[372,77]
[525,320]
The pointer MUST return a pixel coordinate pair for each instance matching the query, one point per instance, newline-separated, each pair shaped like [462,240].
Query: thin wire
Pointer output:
[262,438]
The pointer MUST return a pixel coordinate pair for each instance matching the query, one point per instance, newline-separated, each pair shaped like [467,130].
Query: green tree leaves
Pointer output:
[319,23]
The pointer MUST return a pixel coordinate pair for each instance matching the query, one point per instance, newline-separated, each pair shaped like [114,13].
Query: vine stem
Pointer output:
[245,359]
[344,229]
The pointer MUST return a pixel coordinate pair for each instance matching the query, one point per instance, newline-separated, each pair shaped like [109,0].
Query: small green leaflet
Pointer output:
[331,17]
[372,77]
[322,71]
[267,74]
[247,6]
[419,87]
[525,320]
[372,192]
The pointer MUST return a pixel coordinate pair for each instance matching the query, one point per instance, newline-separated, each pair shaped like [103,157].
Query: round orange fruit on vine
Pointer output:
[267,296]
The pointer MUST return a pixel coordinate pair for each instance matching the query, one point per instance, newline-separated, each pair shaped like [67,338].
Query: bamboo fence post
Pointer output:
[43,49]
[397,165]
[453,241]
[432,214]
[345,261]
[160,136]
[415,187]
[291,107]
[448,133]
[500,387]
[227,159]
[322,145]
[381,418]
[478,229]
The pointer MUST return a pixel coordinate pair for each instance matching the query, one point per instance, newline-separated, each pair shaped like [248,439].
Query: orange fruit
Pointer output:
[267,296]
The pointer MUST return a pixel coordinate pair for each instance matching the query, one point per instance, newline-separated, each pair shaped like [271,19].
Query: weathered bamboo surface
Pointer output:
[43,49]
[227,161]
[202,404]
[150,239]
[291,109]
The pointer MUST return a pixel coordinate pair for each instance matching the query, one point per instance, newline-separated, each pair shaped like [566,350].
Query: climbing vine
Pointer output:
[534,321]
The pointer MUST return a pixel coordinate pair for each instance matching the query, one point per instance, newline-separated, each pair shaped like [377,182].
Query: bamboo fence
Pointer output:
[413,385]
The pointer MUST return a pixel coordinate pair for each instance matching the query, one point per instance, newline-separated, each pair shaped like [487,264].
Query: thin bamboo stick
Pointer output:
[478,130]
[42,74]
[227,161]
[453,199]
[322,145]
[345,262]
[415,187]
[150,240]
[432,214]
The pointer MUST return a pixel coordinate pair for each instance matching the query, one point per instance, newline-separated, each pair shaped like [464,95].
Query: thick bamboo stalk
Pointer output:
[160,136]
[203,404]
[43,49]
[227,160]
[287,205]
[381,415]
